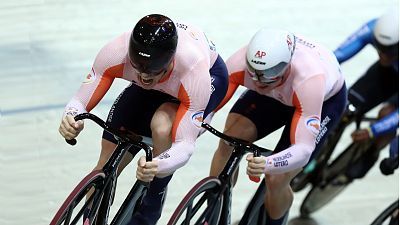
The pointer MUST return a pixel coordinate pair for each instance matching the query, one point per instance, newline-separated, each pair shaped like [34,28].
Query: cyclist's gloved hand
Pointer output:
[69,128]
[146,170]
[361,135]
[255,165]
[388,165]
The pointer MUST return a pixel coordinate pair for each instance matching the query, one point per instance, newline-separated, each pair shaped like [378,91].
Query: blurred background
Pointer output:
[48,46]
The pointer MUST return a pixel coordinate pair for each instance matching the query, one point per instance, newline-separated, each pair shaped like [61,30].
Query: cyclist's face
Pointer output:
[273,84]
[148,80]
[386,59]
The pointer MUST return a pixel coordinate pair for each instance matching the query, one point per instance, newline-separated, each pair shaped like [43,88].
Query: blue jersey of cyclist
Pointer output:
[380,32]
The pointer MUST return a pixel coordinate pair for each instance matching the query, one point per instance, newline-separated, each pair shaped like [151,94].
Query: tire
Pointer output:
[319,196]
[336,180]
[71,211]
[201,201]
[386,215]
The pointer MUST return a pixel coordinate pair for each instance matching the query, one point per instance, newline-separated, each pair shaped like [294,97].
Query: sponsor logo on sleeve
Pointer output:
[197,118]
[72,111]
[90,77]
[281,161]
[313,124]
[164,155]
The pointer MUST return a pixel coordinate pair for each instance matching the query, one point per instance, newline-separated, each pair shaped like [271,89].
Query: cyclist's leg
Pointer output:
[153,202]
[238,126]
[377,85]
[243,121]
[361,167]
[266,115]
[161,127]
[125,114]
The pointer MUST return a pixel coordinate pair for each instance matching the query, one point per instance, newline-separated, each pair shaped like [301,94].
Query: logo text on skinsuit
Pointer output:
[164,155]
[280,161]
[323,129]
[283,157]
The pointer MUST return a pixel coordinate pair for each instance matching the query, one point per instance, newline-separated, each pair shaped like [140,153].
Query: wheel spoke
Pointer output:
[188,214]
[199,204]
[76,203]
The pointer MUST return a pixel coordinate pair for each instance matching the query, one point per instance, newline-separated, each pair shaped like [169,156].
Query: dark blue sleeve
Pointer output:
[357,41]
[386,125]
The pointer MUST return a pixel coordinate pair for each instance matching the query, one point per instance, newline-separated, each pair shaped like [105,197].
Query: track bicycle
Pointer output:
[328,179]
[209,201]
[100,185]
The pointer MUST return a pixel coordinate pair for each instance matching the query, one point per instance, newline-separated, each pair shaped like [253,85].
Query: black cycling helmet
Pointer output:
[153,44]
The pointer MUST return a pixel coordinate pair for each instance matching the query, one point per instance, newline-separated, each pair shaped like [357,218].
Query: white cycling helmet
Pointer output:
[386,31]
[269,54]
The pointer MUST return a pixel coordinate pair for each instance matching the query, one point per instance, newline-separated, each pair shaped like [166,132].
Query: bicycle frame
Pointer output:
[104,190]
[226,184]
[241,147]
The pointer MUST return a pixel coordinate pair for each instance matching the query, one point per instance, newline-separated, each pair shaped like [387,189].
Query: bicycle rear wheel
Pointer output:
[336,180]
[71,211]
[386,215]
[319,196]
[201,205]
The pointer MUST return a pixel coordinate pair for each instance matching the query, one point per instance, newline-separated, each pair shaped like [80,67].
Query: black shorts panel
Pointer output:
[134,109]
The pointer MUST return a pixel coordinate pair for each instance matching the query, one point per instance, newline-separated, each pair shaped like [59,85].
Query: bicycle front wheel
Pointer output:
[201,205]
[71,211]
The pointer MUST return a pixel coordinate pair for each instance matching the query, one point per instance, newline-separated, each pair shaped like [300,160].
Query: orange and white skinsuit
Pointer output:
[314,77]
[189,82]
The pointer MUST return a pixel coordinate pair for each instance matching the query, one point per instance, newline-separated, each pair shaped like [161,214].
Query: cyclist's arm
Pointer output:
[304,128]
[236,65]
[235,79]
[194,94]
[356,42]
[387,124]
[108,65]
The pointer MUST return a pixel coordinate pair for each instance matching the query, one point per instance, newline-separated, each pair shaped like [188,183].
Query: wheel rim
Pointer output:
[73,207]
[193,207]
